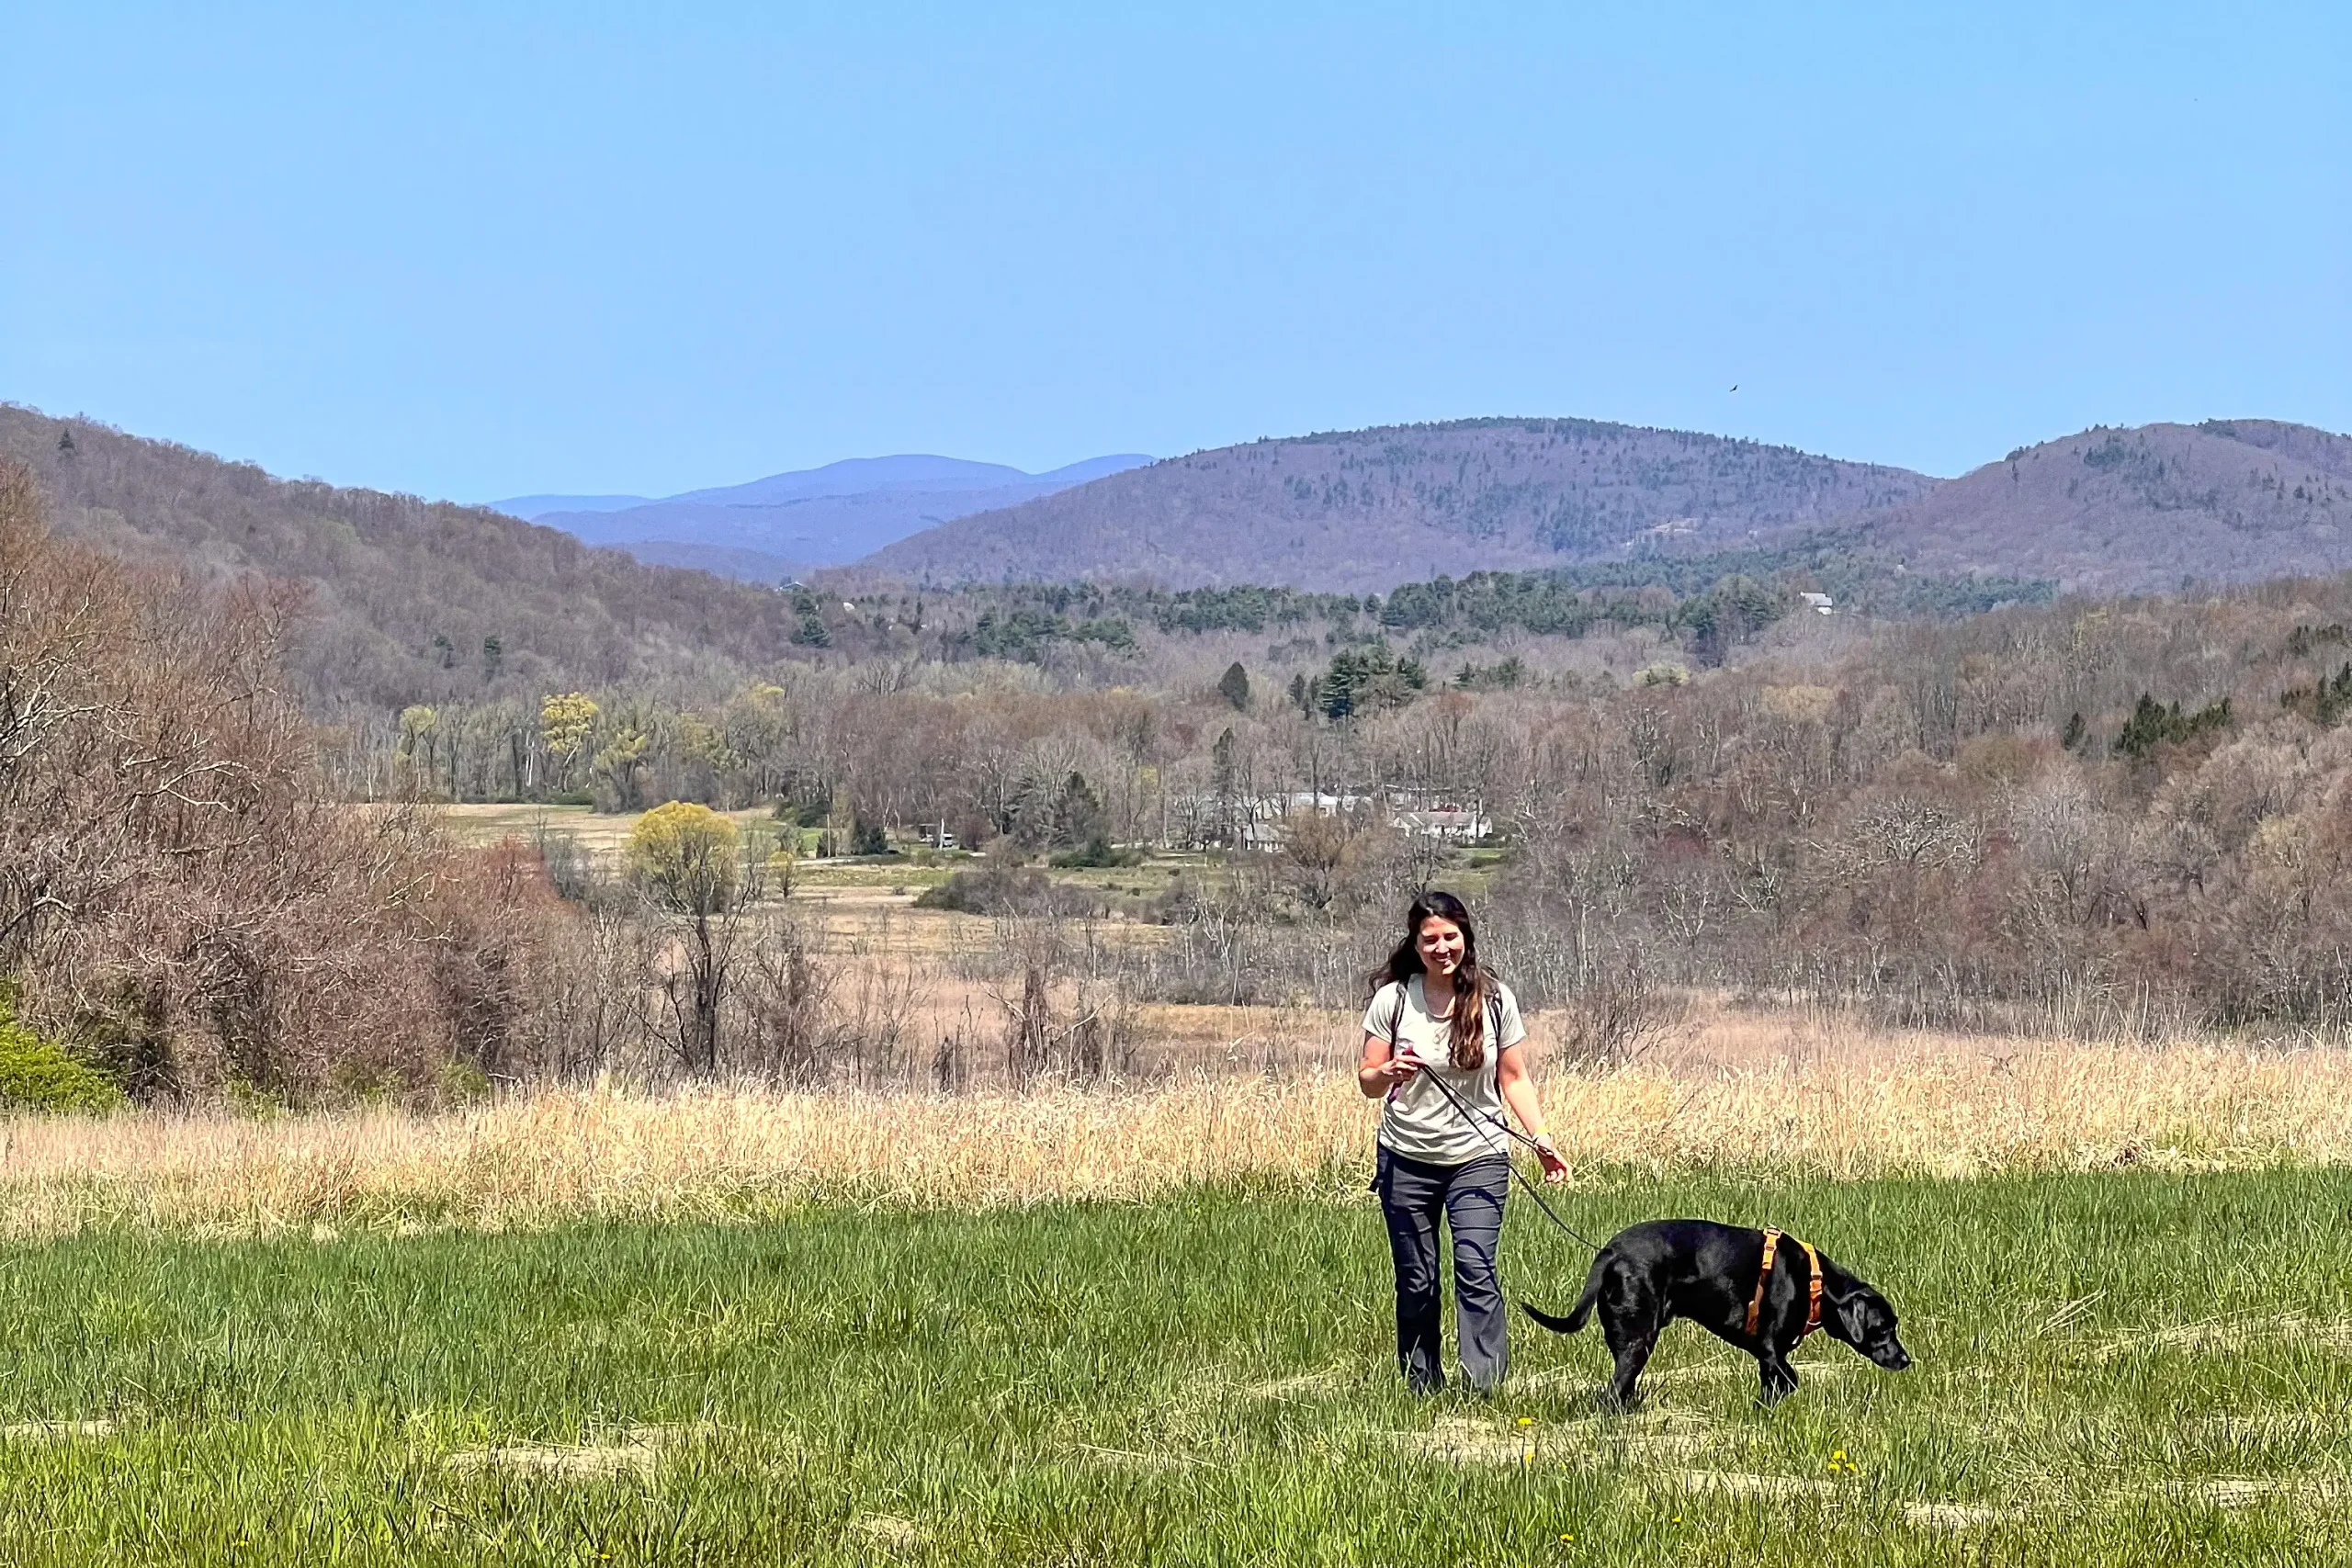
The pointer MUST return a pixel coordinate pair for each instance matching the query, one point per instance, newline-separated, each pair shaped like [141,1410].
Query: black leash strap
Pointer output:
[1516,1175]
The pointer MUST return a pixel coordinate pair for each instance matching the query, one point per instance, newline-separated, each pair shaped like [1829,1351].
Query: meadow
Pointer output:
[2114,1369]
[1149,1323]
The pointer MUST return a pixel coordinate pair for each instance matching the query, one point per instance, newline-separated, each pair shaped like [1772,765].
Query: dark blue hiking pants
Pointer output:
[1469,1198]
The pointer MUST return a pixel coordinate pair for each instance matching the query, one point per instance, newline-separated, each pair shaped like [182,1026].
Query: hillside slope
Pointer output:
[387,575]
[2141,510]
[1365,510]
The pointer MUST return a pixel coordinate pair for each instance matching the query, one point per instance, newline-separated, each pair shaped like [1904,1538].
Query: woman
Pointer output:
[1436,1014]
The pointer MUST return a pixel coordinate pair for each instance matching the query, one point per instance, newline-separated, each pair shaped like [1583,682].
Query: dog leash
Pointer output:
[1516,1175]
[1815,1279]
[1763,1277]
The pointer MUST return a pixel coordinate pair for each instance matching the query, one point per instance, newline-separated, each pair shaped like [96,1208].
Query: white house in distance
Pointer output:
[1446,821]
[1453,824]
[1819,603]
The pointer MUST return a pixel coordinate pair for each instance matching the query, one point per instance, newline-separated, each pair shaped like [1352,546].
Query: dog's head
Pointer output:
[1864,1319]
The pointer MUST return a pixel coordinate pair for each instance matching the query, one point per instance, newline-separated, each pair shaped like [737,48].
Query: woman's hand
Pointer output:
[1383,1067]
[1555,1169]
[1518,1092]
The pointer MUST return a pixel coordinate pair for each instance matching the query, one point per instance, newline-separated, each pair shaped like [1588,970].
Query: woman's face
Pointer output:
[1440,945]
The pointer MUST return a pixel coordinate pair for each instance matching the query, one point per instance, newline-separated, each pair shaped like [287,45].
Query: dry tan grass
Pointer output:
[1960,1516]
[636,1451]
[2227,1334]
[591,1462]
[54,1431]
[890,1531]
[882,926]
[603,835]
[2264,1491]
[1852,1105]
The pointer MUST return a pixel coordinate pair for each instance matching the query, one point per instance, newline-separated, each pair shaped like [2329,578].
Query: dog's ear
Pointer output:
[1854,1308]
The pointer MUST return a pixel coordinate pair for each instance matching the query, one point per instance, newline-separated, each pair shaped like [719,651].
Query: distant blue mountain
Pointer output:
[860,476]
[811,517]
[531,508]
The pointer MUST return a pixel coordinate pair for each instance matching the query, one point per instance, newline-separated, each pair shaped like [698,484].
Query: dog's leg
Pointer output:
[1779,1378]
[1631,1358]
[1630,1321]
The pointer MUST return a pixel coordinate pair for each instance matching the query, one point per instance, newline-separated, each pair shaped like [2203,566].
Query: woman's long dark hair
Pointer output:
[1466,1042]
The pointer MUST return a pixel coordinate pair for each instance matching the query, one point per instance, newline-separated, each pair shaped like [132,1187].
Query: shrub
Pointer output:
[1096,853]
[41,1075]
[1009,890]
[182,896]
[684,855]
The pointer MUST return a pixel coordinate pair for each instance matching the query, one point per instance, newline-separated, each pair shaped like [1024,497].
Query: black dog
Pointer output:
[1717,1277]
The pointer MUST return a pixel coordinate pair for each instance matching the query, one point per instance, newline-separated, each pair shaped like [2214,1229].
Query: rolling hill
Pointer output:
[2141,510]
[774,527]
[1365,510]
[405,595]
[2104,510]
[415,601]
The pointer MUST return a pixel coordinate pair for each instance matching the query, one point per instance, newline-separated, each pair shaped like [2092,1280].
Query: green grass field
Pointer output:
[2125,1368]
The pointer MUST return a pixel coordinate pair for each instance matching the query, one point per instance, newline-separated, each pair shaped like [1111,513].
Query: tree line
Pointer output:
[2088,815]
[2081,806]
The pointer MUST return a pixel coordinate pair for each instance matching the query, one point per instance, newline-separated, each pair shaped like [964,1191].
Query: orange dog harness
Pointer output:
[1764,1276]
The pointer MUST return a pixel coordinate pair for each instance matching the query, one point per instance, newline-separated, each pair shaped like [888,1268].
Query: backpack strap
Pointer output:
[1396,1028]
[1493,1026]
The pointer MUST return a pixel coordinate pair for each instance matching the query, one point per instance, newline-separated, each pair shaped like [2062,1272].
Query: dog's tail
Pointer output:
[1577,1314]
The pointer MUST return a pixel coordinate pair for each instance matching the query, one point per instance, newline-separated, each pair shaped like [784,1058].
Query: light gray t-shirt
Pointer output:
[1418,1121]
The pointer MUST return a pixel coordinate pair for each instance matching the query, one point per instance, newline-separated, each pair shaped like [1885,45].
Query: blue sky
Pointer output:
[478,251]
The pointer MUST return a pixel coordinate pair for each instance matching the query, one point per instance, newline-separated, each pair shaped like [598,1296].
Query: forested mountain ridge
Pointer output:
[409,600]
[1364,510]
[2141,510]
[412,601]
[2102,511]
